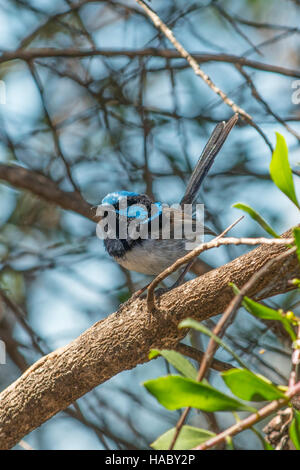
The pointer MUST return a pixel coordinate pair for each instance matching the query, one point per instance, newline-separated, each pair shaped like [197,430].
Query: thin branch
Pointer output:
[48,52]
[215,243]
[220,329]
[268,109]
[123,339]
[56,141]
[252,419]
[21,318]
[199,72]
[257,25]
[192,62]
[294,375]
[231,20]
[44,187]
[228,316]
[197,355]
[24,445]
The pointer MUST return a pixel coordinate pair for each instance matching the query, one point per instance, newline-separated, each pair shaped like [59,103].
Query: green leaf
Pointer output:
[189,437]
[258,218]
[190,323]
[265,444]
[265,313]
[229,443]
[251,387]
[280,170]
[174,392]
[295,430]
[177,360]
[296,232]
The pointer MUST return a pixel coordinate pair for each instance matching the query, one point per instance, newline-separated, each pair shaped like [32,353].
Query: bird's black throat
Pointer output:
[118,247]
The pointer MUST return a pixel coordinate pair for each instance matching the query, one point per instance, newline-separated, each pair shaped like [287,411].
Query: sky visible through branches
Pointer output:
[129,118]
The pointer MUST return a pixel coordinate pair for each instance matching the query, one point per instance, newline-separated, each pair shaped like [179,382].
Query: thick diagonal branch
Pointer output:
[45,188]
[123,339]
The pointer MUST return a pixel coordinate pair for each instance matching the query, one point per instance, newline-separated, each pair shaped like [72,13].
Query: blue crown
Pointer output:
[114,198]
[134,211]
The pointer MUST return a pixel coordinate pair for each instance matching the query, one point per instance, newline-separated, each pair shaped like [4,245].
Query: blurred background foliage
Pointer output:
[136,122]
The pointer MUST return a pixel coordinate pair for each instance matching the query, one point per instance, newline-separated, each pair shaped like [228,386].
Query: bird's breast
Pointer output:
[150,256]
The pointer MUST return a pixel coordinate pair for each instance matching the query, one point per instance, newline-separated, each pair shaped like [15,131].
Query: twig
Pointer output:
[294,376]
[25,445]
[259,98]
[197,355]
[150,296]
[190,59]
[231,20]
[232,308]
[56,141]
[48,52]
[21,318]
[277,429]
[122,340]
[215,243]
[255,24]
[46,188]
[220,329]
[252,419]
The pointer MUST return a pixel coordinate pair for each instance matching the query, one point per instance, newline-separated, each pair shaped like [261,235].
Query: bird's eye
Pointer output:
[137,212]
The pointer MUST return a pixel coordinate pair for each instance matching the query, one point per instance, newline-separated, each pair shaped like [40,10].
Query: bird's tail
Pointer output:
[207,157]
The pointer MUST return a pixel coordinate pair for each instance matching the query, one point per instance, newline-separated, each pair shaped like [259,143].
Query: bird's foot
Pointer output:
[138,293]
[143,295]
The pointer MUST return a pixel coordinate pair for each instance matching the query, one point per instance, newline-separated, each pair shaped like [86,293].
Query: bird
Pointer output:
[121,210]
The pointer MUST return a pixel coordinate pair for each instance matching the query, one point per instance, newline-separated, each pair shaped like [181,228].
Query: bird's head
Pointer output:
[130,205]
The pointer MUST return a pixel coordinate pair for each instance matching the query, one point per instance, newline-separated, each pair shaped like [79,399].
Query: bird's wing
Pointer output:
[207,157]
[176,221]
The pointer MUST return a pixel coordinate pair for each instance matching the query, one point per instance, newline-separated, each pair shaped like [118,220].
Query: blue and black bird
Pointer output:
[148,255]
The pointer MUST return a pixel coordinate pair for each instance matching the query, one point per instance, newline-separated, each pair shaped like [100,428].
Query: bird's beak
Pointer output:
[102,209]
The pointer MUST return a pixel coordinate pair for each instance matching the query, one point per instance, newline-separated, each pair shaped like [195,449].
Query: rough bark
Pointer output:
[123,340]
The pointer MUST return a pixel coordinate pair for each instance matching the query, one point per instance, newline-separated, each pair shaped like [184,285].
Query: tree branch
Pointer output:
[47,52]
[161,26]
[123,340]
[44,187]
[252,419]
[197,355]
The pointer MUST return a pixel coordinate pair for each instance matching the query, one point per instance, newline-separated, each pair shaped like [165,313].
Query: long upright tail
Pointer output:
[207,157]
